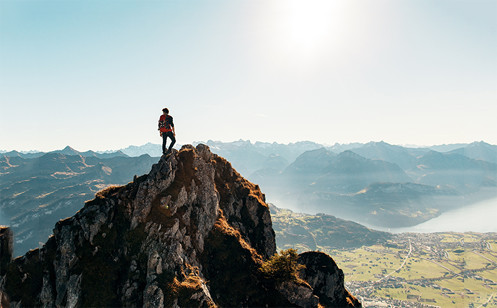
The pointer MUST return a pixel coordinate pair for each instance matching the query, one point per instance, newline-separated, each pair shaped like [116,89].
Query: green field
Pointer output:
[442,269]
[438,269]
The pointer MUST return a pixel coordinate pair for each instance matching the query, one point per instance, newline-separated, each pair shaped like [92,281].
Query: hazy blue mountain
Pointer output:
[339,148]
[322,170]
[443,161]
[311,163]
[378,192]
[237,150]
[243,155]
[478,150]
[269,170]
[27,155]
[30,154]
[118,153]
[350,173]
[154,150]
[307,167]
[384,151]
[366,184]
[14,154]
[288,151]
[66,151]
[403,157]
[270,167]
[36,193]
[275,161]
[447,147]
[11,154]
[70,151]
[455,171]
[249,158]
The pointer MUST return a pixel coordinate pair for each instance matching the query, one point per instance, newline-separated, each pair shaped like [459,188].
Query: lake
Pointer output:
[479,217]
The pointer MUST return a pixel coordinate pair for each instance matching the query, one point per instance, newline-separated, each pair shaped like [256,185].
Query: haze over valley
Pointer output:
[380,185]
[374,183]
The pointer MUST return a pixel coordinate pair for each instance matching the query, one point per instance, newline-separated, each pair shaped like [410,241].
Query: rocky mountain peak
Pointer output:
[192,232]
[68,151]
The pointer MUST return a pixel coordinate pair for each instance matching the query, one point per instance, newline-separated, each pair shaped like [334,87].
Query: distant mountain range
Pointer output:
[66,151]
[289,152]
[478,150]
[36,192]
[374,183]
[382,184]
[416,183]
[346,172]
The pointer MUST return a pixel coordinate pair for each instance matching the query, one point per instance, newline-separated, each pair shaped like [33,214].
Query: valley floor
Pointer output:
[423,270]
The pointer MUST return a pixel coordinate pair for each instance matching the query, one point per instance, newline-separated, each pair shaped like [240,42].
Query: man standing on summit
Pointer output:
[166,128]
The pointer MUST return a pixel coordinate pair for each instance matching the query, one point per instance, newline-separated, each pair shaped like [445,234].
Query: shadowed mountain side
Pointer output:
[191,233]
[36,193]
[311,232]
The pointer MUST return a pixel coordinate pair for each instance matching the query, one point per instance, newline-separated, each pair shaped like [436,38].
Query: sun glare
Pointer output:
[306,30]
[312,23]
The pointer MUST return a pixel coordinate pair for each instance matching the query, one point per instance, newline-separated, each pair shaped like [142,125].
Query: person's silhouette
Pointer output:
[166,128]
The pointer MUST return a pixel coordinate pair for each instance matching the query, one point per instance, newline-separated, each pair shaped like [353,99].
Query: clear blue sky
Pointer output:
[96,74]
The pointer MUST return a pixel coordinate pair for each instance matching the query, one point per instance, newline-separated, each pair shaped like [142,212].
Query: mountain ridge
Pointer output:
[36,192]
[457,180]
[192,232]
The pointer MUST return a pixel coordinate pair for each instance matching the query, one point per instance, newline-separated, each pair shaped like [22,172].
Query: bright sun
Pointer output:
[311,24]
[304,30]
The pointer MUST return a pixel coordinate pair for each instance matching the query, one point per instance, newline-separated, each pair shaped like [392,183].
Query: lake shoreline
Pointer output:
[478,217]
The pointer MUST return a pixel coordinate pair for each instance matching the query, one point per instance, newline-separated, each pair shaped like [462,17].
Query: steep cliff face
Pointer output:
[5,248]
[326,279]
[191,233]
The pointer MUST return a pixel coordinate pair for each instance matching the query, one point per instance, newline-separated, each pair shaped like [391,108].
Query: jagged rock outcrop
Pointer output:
[6,248]
[191,233]
[326,279]
[5,258]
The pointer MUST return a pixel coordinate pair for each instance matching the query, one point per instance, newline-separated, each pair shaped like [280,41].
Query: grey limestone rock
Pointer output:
[326,280]
[176,237]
